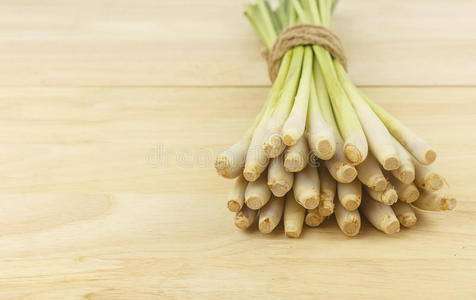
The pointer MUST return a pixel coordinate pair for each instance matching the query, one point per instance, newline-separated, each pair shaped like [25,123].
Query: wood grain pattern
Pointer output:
[209,43]
[112,113]
[90,209]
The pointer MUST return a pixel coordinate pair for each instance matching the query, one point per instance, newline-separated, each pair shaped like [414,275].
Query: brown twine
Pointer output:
[299,35]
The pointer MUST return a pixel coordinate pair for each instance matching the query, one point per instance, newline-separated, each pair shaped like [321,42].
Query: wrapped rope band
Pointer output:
[299,35]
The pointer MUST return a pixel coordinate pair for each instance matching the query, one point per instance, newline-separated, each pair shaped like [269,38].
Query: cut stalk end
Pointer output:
[391,163]
[291,136]
[233,206]
[353,154]
[390,224]
[351,203]
[346,173]
[254,202]
[325,150]
[274,146]
[429,156]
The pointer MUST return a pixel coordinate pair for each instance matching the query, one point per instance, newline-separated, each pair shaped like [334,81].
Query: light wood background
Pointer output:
[111,114]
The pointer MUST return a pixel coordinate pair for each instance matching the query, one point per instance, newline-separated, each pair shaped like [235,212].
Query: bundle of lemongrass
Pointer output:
[368,160]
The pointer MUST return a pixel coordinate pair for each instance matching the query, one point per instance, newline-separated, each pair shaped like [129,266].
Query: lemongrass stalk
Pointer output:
[419,148]
[293,129]
[256,160]
[406,172]
[245,218]
[328,192]
[321,129]
[279,180]
[405,214]
[349,221]
[296,157]
[407,193]
[293,217]
[274,144]
[388,197]
[381,216]
[236,198]
[380,140]
[257,193]
[435,201]
[252,13]
[369,174]
[307,187]
[338,165]
[230,163]
[350,194]
[427,178]
[355,146]
[270,215]
[313,218]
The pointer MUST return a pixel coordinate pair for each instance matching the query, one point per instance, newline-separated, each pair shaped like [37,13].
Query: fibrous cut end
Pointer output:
[448,203]
[254,202]
[324,149]
[291,137]
[353,154]
[430,156]
[251,172]
[407,176]
[379,184]
[389,197]
[351,203]
[408,220]
[346,173]
[279,188]
[234,206]
[390,224]
[265,226]
[351,227]
[434,181]
[293,162]
[391,163]
[223,165]
[314,220]
[274,146]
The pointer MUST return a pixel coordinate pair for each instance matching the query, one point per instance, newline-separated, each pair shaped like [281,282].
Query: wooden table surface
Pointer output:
[112,112]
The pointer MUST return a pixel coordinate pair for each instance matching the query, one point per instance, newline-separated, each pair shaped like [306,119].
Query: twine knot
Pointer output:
[300,35]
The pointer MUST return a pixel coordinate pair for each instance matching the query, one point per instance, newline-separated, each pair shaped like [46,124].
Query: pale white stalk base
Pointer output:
[293,217]
[296,157]
[370,174]
[270,215]
[257,193]
[435,201]
[256,159]
[349,221]
[381,216]
[306,187]
[405,214]
[245,218]
[407,193]
[236,198]
[328,192]
[388,196]
[313,218]
[350,194]
[230,163]
[279,180]
[274,145]
[427,178]
[339,167]
[356,147]
[406,172]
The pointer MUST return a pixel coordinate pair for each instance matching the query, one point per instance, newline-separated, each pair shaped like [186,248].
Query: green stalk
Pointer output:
[293,129]
[418,147]
[274,144]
